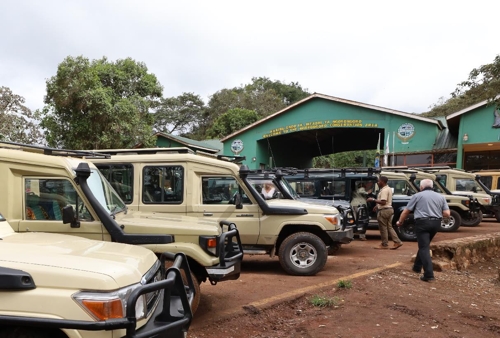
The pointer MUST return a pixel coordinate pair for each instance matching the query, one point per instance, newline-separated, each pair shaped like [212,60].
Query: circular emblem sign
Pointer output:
[405,132]
[237,146]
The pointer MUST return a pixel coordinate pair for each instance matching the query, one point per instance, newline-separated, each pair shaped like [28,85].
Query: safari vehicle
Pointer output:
[59,194]
[464,210]
[178,181]
[490,178]
[460,182]
[340,186]
[59,286]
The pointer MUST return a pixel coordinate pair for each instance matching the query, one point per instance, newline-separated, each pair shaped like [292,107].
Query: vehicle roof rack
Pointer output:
[277,171]
[50,151]
[342,171]
[145,151]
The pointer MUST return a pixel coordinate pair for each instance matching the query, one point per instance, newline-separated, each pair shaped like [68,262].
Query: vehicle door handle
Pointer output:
[208,214]
[244,215]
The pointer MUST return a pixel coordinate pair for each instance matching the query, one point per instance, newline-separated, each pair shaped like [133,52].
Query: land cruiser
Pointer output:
[461,182]
[341,187]
[59,286]
[490,178]
[464,209]
[61,194]
[178,181]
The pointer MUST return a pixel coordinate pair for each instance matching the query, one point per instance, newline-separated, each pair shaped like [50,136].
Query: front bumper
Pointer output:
[230,252]
[341,236]
[162,322]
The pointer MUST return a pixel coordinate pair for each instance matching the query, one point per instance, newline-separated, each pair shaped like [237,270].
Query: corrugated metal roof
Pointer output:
[444,139]
[205,146]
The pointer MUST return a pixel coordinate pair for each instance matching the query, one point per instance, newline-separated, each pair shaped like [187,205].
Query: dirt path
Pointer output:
[372,300]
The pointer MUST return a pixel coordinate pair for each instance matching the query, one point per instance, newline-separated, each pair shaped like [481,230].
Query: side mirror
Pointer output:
[68,216]
[237,201]
[474,189]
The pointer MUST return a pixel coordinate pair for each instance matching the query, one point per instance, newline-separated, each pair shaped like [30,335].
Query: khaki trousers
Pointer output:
[384,218]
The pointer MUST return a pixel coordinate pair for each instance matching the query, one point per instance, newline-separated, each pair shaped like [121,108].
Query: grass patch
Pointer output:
[324,301]
[344,284]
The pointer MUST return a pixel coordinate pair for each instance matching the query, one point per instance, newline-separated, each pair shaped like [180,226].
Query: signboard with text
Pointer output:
[319,125]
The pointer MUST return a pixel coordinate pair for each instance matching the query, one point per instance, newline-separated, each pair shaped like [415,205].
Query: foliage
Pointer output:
[179,114]
[263,96]
[100,104]
[344,284]
[347,159]
[231,121]
[324,301]
[482,84]
[17,122]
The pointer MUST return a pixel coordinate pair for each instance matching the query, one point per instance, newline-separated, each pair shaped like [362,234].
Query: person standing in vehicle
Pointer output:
[429,208]
[268,191]
[383,206]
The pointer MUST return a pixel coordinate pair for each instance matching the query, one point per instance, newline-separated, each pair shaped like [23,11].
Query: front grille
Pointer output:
[153,297]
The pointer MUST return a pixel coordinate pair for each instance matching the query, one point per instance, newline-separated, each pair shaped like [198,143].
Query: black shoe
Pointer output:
[425,279]
[416,270]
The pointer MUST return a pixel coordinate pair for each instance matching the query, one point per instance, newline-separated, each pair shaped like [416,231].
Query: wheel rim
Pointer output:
[449,224]
[303,255]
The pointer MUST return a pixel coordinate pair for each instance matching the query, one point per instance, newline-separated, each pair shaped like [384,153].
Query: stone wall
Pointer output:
[461,252]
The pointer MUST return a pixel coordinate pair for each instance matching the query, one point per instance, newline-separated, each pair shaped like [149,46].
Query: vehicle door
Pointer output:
[44,199]
[217,202]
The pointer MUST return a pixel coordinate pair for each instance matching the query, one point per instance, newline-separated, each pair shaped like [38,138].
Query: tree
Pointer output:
[17,122]
[346,159]
[231,121]
[263,96]
[100,104]
[482,84]
[179,114]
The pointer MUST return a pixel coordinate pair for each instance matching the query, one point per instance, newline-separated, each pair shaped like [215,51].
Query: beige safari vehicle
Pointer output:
[177,181]
[68,195]
[461,182]
[464,210]
[490,178]
[58,286]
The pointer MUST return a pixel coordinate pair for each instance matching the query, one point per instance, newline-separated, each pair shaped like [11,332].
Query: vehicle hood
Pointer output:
[62,261]
[311,208]
[139,222]
[482,198]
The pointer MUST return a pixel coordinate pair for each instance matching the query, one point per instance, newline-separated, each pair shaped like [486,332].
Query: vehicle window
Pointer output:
[467,184]
[442,179]
[339,188]
[163,184]
[121,178]
[221,190]
[45,199]
[487,180]
[400,187]
[435,187]
[305,188]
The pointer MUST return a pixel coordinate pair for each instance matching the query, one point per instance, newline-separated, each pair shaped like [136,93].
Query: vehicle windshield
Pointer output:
[267,187]
[104,193]
[468,184]
[286,185]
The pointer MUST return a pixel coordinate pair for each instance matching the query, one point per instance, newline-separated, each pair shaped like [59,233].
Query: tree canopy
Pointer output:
[231,121]
[100,104]
[179,114]
[482,84]
[17,122]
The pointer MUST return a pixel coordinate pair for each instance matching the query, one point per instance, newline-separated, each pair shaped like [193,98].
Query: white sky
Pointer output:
[402,55]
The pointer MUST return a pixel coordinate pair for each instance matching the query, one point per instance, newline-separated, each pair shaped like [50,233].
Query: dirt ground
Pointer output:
[388,302]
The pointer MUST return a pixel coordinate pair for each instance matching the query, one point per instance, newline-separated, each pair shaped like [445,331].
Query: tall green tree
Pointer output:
[100,104]
[262,95]
[231,121]
[179,114]
[482,84]
[17,122]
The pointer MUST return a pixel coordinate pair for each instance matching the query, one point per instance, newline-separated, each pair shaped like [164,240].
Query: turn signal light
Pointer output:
[105,309]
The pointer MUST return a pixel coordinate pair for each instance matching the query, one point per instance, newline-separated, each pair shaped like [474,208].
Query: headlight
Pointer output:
[466,203]
[110,305]
[333,219]
[487,200]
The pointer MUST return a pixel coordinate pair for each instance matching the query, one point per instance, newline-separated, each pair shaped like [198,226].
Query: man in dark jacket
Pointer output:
[429,208]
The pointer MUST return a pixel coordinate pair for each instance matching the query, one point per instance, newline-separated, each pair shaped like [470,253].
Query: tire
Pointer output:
[197,290]
[497,216]
[452,223]
[302,254]
[406,232]
[472,222]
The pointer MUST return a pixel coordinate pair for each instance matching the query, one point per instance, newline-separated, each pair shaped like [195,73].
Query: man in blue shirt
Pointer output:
[429,208]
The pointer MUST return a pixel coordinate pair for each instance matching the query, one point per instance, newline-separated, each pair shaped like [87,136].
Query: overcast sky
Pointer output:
[402,55]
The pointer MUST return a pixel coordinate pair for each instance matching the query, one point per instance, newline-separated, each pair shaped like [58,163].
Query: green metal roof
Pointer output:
[444,139]
[207,146]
